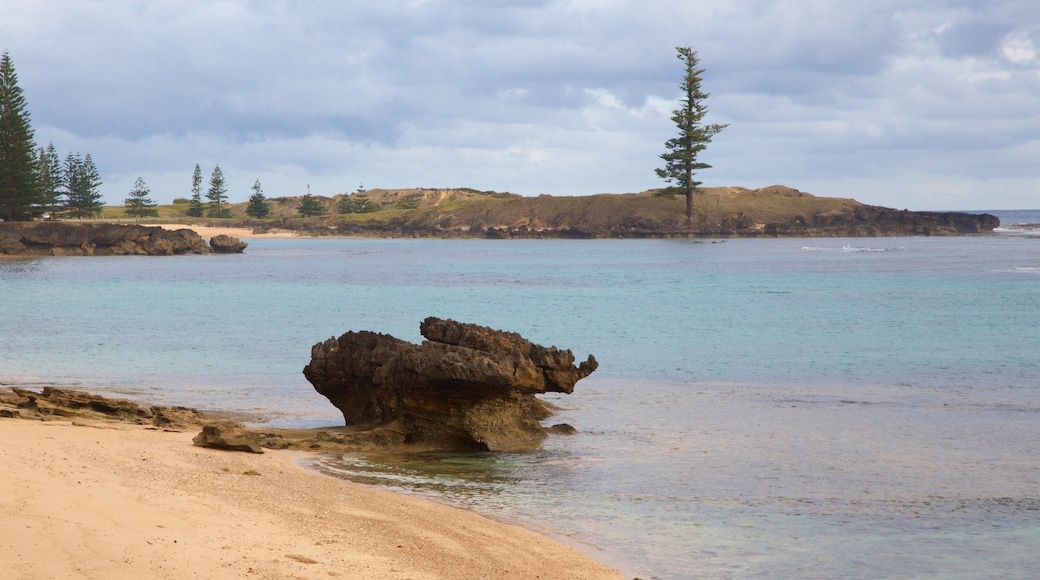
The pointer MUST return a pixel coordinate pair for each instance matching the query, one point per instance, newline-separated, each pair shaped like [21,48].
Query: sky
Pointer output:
[923,104]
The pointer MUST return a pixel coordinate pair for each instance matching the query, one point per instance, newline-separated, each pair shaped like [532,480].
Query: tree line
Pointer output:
[216,205]
[37,182]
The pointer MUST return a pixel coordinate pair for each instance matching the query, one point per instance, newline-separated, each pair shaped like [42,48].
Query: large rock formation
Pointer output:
[467,387]
[69,239]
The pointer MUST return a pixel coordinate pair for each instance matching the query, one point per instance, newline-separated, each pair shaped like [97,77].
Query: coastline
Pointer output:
[97,499]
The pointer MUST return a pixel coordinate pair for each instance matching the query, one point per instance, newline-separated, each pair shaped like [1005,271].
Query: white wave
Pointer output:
[1027,231]
[848,248]
[1027,270]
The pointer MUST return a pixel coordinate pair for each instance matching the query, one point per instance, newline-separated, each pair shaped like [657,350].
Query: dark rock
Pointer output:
[228,435]
[12,398]
[227,245]
[273,441]
[562,429]
[69,239]
[467,387]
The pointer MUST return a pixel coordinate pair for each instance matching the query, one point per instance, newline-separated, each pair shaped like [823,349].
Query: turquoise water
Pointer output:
[767,408]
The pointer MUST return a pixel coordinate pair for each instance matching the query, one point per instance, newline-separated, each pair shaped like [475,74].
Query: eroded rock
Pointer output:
[223,244]
[467,387]
[228,435]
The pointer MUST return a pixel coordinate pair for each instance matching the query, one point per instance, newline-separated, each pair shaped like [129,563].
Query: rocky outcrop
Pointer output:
[53,403]
[466,387]
[223,244]
[73,239]
[229,436]
[82,408]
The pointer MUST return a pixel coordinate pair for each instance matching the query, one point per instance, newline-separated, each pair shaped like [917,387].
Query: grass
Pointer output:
[428,206]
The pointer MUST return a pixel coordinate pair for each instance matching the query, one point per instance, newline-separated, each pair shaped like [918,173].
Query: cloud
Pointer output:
[554,96]
[1019,48]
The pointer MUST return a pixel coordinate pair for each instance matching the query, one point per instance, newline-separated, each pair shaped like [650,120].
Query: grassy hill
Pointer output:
[462,212]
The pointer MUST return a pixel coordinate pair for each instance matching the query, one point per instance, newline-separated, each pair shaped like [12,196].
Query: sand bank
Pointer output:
[112,501]
[208,232]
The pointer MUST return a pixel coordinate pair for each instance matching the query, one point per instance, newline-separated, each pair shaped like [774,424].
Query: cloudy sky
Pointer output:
[924,104]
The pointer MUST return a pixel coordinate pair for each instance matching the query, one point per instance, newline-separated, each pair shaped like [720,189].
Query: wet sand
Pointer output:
[104,500]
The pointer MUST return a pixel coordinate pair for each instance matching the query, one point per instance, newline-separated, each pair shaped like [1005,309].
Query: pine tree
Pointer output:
[49,179]
[681,161]
[81,183]
[19,192]
[138,204]
[217,195]
[258,206]
[357,202]
[310,206]
[195,205]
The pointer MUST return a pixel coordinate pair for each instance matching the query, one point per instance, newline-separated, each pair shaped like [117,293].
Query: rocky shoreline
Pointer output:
[58,404]
[466,388]
[28,239]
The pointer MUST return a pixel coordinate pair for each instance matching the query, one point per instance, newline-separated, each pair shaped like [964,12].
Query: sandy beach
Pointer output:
[208,232]
[109,500]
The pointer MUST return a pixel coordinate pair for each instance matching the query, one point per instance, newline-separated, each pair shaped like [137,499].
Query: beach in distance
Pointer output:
[208,232]
[102,500]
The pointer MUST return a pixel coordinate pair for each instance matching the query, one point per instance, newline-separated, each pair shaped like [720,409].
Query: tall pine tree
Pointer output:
[195,205]
[19,192]
[681,163]
[217,195]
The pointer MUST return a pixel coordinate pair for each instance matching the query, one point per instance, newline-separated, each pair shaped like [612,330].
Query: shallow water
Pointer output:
[770,408]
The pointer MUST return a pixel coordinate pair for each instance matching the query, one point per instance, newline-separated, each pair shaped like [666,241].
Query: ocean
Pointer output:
[773,408]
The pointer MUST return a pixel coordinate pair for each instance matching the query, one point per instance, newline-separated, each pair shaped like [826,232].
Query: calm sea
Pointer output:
[764,408]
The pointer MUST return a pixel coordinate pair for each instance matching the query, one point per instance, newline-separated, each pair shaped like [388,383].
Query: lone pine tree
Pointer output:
[681,165]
